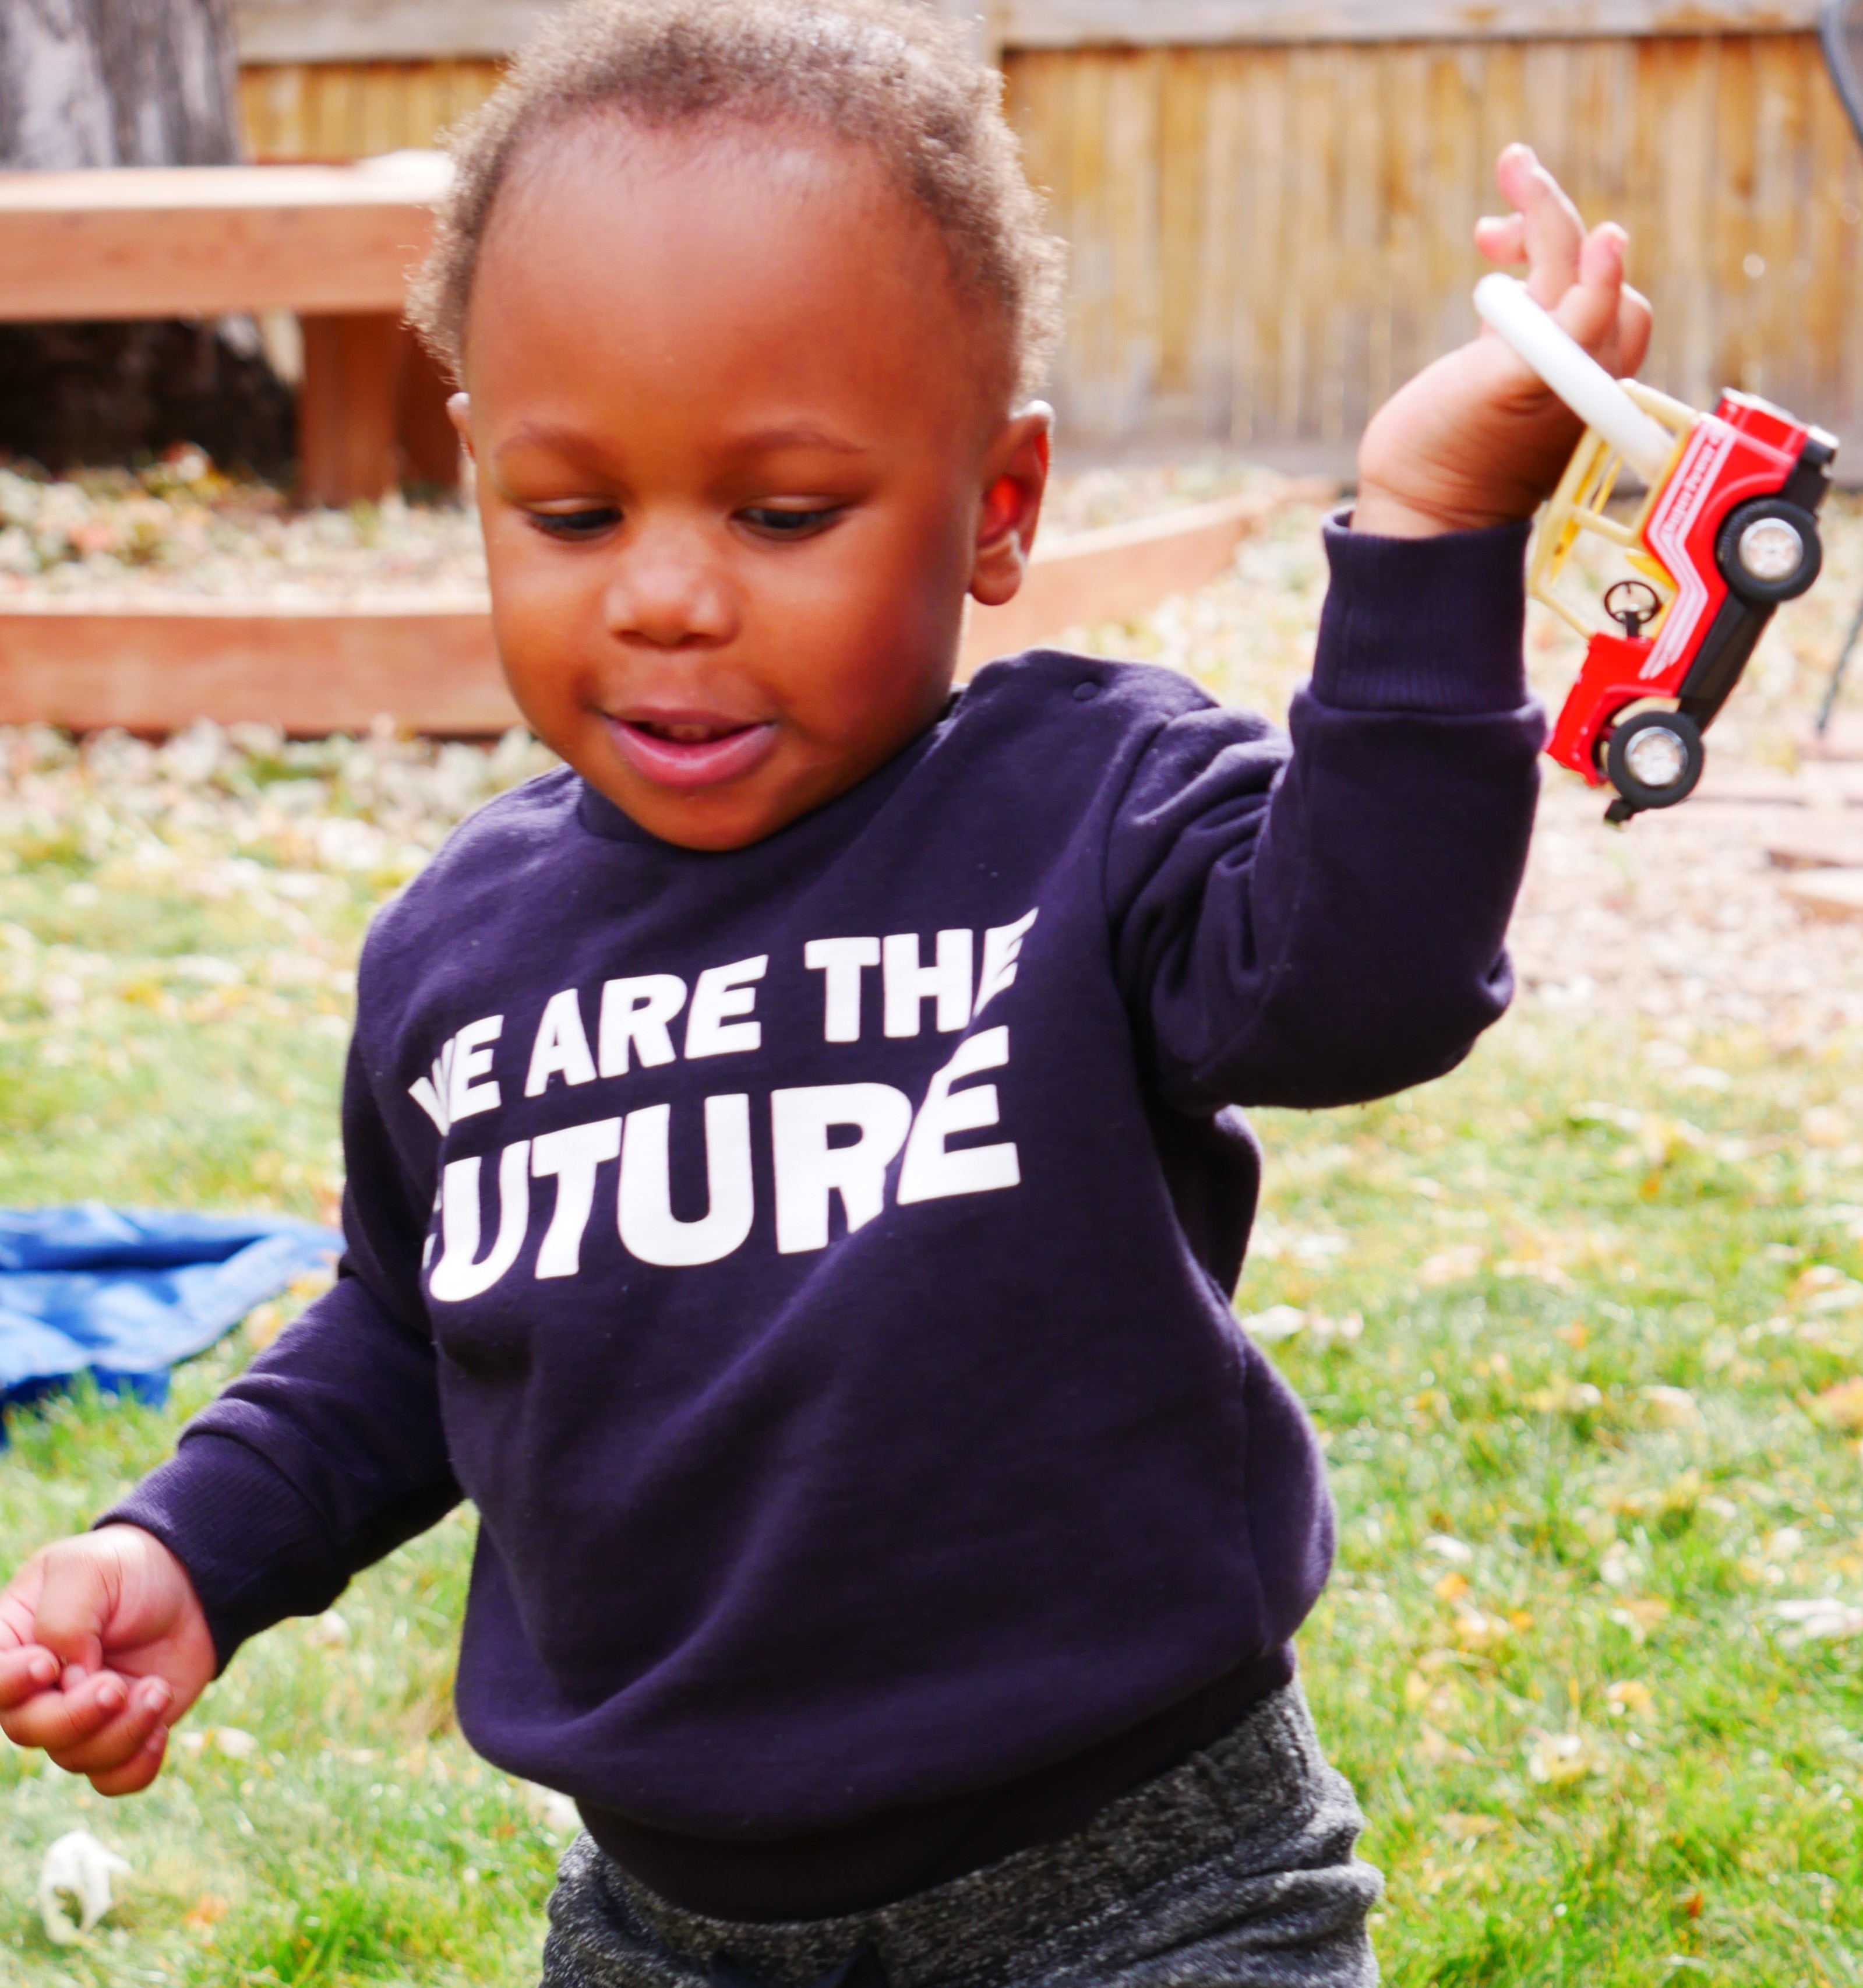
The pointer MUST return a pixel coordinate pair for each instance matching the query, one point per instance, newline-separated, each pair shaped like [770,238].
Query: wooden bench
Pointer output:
[334,244]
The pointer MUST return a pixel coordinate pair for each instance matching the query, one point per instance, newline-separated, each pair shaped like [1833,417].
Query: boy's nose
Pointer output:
[671,593]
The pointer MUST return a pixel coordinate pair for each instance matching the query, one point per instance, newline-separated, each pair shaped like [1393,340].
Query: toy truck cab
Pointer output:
[1726,530]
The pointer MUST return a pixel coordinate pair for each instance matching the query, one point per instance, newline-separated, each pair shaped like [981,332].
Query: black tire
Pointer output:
[1622,751]
[1766,588]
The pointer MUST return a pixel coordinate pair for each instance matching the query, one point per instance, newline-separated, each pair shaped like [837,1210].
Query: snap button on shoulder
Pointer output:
[1084,693]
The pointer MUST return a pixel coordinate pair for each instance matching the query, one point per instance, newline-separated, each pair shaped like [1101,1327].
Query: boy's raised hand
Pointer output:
[1476,438]
[103,1646]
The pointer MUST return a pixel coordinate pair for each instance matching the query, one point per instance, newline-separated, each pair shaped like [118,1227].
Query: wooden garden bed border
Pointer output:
[429,663]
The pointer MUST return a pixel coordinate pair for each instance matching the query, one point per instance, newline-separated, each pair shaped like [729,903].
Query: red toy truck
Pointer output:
[1726,531]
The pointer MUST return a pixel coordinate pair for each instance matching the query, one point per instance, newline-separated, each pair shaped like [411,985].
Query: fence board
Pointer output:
[1068,24]
[348,109]
[1267,239]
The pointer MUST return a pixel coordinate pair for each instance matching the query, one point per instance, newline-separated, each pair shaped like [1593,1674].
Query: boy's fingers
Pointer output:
[55,1721]
[1633,320]
[1589,308]
[19,1602]
[24,1674]
[74,1603]
[116,1745]
[1501,237]
[136,1774]
[1551,230]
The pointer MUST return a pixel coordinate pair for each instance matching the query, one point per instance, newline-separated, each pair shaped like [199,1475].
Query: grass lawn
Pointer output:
[1565,1320]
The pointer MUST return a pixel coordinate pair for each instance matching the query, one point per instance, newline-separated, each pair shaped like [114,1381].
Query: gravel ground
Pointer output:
[179,527]
[1677,921]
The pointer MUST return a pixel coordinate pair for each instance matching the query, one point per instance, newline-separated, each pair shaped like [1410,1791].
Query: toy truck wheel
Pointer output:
[1769,550]
[1655,759]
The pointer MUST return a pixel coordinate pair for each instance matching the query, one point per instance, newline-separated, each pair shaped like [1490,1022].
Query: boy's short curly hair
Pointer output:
[889,75]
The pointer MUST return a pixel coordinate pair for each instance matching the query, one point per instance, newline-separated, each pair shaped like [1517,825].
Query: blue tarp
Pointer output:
[122,1294]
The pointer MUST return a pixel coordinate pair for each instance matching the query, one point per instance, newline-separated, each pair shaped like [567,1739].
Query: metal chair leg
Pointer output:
[1837,675]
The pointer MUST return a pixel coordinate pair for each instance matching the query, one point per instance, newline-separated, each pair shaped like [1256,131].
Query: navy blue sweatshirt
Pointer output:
[814,1260]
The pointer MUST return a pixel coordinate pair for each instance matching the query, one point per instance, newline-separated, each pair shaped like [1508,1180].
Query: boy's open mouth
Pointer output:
[680,749]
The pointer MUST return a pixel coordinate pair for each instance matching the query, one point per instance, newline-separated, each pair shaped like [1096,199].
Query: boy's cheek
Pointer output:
[549,631]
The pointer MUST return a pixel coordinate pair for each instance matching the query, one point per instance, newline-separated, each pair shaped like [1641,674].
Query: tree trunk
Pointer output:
[116,83]
[128,82]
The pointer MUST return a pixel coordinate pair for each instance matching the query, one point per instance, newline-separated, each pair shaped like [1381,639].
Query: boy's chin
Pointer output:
[732,815]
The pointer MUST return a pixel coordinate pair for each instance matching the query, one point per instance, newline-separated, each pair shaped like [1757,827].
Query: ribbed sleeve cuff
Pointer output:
[252,1547]
[1424,624]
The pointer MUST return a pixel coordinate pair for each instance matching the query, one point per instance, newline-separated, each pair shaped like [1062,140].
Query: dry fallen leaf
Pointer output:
[1542,1270]
[1566,1397]
[1618,1565]
[1556,1760]
[1280,1321]
[1840,1406]
[1451,1587]
[1631,1695]
[1464,1828]
[1822,1616]
[1824,1126]
[1477,1632]
[1597,1111]
[263,1324]
[1814,1278]
[556,1811]
[1639,1614]
[209,1909]
[1450,1267]
[1325,1330]
[1672,1408]
[1434,1747]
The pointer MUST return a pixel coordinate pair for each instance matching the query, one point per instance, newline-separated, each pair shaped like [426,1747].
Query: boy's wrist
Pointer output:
[1433,625]
[250,1544]
[1380,513]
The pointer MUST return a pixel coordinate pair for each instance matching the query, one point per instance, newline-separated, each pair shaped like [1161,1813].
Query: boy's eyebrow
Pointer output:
[760,441]
[547,434]
[766,441]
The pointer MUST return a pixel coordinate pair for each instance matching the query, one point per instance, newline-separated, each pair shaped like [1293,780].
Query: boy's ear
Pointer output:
[459,412]
[1015,474]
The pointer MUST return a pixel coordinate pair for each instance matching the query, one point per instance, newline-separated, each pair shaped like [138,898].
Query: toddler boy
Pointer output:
[795,1189]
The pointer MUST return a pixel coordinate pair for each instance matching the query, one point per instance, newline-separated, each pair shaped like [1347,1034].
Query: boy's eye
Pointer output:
[777,522]
[582,524]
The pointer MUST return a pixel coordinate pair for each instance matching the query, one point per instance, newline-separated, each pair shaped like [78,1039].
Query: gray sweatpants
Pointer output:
[1233,1869]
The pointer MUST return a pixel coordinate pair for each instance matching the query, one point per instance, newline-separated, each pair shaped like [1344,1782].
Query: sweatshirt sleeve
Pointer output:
[1324,925]
[327,1452]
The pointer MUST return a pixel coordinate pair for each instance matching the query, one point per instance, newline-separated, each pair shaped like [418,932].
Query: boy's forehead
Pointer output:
[737,262]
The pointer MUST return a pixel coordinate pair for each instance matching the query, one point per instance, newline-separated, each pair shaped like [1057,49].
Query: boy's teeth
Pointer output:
[687,735]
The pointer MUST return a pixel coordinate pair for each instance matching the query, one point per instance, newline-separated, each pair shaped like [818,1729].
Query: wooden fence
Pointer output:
[1270,232]
[1267,240]
[333,111]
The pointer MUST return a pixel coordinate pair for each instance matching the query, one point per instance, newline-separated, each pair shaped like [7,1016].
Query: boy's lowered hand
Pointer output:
[103,1646]
[1476,438]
